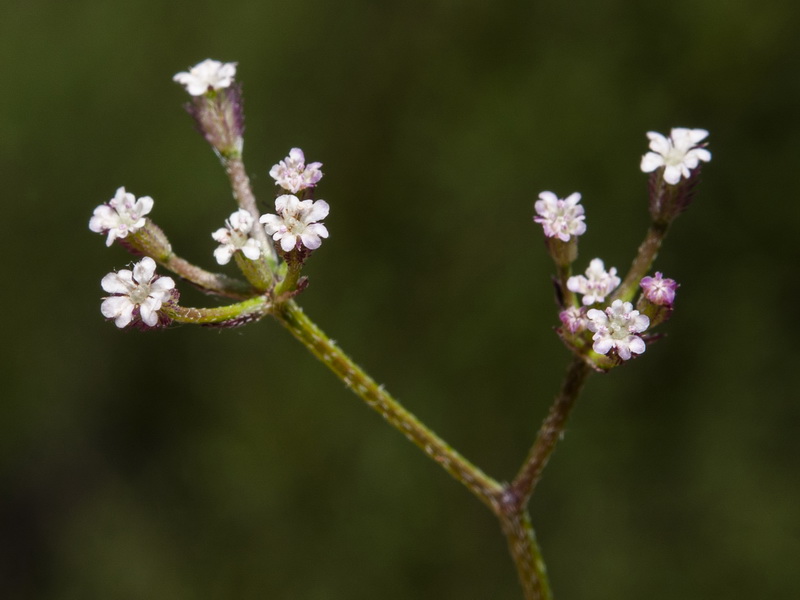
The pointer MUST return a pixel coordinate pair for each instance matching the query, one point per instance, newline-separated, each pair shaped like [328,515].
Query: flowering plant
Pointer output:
[600,324]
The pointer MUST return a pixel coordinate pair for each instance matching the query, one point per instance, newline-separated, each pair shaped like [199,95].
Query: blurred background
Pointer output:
[194,463]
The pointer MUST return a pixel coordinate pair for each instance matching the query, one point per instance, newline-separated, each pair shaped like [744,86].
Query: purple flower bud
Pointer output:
[659,290]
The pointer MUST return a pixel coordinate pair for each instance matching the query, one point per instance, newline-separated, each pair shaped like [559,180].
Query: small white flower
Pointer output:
[616,328]
[123,214]
[136,294]
[207,74]
[236,236]
[560,218]
[293,175]
[678,154]
[597,283]
[295,221]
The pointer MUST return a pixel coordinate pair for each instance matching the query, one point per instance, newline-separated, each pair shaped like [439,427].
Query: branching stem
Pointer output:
[291,316]
[508,502]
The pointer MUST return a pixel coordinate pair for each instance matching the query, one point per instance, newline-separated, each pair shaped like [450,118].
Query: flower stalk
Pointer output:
[550,431]
[243,194]
[645,256]
[601,328]
[228,316]
[292,317]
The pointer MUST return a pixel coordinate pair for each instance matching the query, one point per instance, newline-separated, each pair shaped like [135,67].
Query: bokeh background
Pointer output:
[194,463]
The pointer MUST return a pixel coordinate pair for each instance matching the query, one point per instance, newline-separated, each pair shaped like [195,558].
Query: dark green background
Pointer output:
[193,463]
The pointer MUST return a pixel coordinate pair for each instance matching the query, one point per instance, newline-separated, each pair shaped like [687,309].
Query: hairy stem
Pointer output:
[212,283]
[648,250]
[504,501]
[516,525]
[550,431]
[233,314]
[240,183]
[486,489]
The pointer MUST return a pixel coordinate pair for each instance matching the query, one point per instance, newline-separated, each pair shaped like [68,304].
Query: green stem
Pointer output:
[240,183]
[486,489]
[213,283]
[504,501]
[232,314]
[550,431]
[648,250]
[563,273]
[288,285]
[255,271]
[516,525]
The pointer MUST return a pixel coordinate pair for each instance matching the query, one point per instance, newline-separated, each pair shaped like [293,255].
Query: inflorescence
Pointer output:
[599,321]
[603,326]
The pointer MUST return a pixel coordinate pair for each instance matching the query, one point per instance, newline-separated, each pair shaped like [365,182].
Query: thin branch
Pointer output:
[486,489]
[550,432]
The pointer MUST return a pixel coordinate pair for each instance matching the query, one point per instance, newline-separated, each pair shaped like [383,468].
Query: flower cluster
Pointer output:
[293,174]
[616,328]
[235,237]
[596,284]
[678,154]
[588,322]
[205,76]
[297,222]
[560,218]
[137,295]
[121,215]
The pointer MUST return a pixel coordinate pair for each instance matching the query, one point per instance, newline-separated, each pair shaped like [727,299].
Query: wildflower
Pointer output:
[236,236]
[659,290]
[573,319]
[209,74]
[293,175]
[560,218]
[597,283]
[136,295]
[615,328]
[123,214]
[678,154]
[297,222]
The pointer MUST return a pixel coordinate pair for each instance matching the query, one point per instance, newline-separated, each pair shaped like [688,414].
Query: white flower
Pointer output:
[297,220]
[597,283]
[560,218]
[236,236]
[293,174]
[136,294]
[616,328]
[207,74]
[678,154]
[123,214]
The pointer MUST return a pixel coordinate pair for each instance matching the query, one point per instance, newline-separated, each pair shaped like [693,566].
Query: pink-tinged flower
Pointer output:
[678,154]
[573,319]
[659,290]
[121,215]
[209,74]
[293,174]
[596,285]
[297,222]
[616,328]
[137,295]
[560,218]
[235,236]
